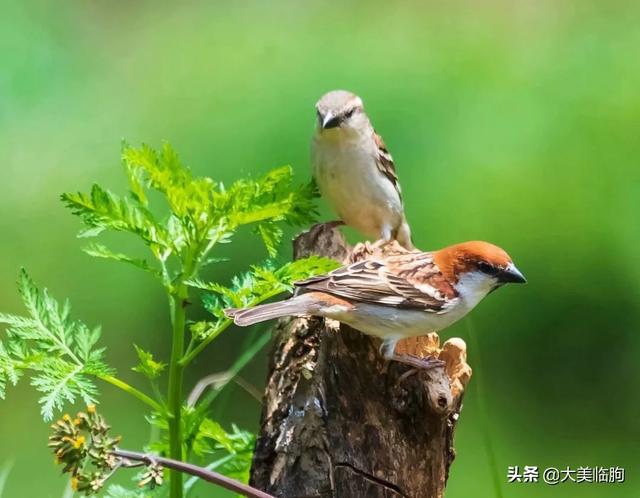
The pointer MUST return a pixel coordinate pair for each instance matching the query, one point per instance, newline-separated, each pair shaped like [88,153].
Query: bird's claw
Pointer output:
[381,243]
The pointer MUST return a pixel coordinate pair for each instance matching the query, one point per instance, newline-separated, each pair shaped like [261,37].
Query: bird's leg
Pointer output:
[388,350]
[418,363]
[380,243]
[386,236]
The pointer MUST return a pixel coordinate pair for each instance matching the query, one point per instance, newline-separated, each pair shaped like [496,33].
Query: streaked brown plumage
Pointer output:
[401,295]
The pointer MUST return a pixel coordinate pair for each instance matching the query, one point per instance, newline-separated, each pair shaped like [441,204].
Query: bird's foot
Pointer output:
[380,243]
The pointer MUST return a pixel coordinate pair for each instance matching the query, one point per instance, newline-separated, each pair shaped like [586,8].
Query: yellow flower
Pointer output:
[91,409]
[74,483]
[79,442]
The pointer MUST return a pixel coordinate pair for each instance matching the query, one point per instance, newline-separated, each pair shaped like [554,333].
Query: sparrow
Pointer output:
[406,294]
[354,170]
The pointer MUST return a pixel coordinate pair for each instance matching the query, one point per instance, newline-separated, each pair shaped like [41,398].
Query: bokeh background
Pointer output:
[515,122]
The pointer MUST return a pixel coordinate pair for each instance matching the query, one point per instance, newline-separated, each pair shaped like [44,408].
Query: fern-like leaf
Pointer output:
[59,352]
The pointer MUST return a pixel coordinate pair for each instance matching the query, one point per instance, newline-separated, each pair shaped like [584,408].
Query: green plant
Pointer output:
[62,355]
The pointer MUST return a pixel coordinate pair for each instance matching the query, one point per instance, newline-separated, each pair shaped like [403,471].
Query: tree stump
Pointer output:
[339,421]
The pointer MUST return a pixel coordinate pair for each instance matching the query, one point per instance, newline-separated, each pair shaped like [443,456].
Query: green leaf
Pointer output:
[86,339]
[251,288]
[148,367]
[58,351]
[166,174]
[101,210]
[201,329]
[262,282]
[100,251]
[10,370]
[237,444]
[269,199]
[271,235]
[61,382]
[138,183]
[201,212]
[117,491]
[213,430]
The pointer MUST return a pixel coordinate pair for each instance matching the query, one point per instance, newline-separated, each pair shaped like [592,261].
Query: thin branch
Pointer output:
[249,388]
[190,355]
[133,391]
[239,364]
[217,381]
[194,470]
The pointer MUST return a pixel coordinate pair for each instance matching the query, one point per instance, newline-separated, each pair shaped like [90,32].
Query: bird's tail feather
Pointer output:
[299,305]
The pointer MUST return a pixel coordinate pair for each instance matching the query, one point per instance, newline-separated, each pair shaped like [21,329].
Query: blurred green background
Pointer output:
[515,122]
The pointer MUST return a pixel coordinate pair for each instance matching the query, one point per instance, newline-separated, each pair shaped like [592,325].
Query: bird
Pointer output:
[355,171]
[399,295]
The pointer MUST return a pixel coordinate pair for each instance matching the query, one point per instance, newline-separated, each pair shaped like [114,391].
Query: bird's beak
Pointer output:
[330,121]
[511,275]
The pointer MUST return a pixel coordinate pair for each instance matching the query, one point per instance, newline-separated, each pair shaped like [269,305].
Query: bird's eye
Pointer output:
[487,268]
[349,113]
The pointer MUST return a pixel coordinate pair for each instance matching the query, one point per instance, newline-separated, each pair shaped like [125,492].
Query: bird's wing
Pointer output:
[385,164]
[410,280]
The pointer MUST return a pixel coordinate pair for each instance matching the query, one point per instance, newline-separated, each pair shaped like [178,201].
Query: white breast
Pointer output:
[349,179]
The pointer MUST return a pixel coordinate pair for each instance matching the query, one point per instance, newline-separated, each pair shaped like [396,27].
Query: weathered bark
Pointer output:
[339,421]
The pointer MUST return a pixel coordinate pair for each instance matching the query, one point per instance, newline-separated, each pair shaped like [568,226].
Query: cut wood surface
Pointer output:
[340,421]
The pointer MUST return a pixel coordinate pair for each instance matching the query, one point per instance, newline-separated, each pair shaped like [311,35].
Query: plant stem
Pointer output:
[174,398]
[178,467]
[133,391]
[188,358]
[195,351]
[482,408]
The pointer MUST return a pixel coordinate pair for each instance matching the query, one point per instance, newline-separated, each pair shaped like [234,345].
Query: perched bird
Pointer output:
[355,171]
[403,295]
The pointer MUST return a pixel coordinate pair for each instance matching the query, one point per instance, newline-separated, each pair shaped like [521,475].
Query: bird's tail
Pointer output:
[298,305]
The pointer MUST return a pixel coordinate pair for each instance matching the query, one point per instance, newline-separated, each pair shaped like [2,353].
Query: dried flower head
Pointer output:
[83,446]
[154,476]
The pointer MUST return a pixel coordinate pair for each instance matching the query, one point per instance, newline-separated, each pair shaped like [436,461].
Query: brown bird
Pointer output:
[398,296]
